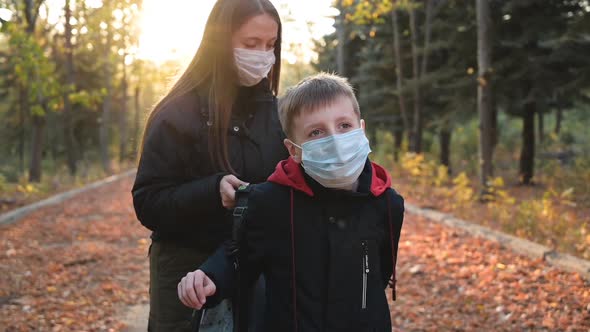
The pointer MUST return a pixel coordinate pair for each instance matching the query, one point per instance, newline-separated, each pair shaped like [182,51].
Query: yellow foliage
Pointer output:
[462,190]
[442,176]
[27,188]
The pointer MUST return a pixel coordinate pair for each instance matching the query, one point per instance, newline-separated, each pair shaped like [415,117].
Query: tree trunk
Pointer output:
[398,136]
[137,121]
[24,109]
[37,148]
[495,129]
[31,11]
[558,120]
[527,154]
[399,72]
[484,102]
[123,117]
[541,127]
[416,141]
[106,107]
[427,34]
[341,35]
[445,147]
[69,68]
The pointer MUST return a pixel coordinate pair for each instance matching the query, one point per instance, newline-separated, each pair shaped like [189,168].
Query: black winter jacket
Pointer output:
[176,189]
[327,255]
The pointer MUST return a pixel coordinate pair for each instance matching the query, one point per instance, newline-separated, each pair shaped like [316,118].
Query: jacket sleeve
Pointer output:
[165,198]
[220,266]
[220,269]
[394,217]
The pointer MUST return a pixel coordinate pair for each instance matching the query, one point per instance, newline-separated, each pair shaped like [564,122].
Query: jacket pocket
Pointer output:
[365,272]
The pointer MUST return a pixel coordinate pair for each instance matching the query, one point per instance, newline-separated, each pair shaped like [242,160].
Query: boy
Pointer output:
[324,229]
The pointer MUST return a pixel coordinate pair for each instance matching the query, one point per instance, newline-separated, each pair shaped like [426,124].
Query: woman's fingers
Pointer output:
[234,181]
[227,189]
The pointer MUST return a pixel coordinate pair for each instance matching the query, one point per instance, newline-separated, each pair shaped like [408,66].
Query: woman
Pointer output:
[216,129]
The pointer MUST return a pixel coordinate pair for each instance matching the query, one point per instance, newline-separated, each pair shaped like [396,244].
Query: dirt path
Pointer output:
[80,265]
[75,266]
[450,281]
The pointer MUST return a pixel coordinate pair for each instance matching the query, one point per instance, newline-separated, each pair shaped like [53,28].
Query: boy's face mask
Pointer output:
[336,161]
[253,65]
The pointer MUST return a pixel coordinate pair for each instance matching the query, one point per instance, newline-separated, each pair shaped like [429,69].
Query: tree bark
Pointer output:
[558,120]
[37,148]
[31,11]
[106,106]
[69,69]
[495,129]
[123,116]
[484,102]
[445,147]
[416,135]
[527,154]
[137,121]
[341,35]
[427,34]
[399,73]
[541,124]
[24,109]
[398,136]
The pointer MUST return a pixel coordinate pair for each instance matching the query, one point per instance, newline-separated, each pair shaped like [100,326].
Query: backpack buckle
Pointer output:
[239,211]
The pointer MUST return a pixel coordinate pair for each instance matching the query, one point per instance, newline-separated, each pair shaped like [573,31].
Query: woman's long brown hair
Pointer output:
[213,71]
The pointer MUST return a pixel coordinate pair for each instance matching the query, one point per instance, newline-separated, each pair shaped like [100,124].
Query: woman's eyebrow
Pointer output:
[253,38]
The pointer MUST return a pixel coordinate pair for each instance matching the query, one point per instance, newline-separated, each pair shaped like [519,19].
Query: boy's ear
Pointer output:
[363,124]
[294,151]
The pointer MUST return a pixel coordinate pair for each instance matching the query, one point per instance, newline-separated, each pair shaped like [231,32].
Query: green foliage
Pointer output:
[33,70]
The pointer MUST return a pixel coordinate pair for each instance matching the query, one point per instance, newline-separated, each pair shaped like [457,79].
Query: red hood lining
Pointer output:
[288,173]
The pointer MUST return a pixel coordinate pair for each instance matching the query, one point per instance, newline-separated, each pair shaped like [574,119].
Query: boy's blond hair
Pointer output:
[311,94]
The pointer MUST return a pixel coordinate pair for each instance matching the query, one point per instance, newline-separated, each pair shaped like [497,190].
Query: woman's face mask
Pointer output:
[336,161]
[253,46]
[253,65]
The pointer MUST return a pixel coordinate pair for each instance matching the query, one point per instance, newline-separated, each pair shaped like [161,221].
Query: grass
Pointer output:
[16,190]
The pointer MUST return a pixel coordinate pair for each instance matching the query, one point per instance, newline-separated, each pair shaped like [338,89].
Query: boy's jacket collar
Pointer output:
[289,173]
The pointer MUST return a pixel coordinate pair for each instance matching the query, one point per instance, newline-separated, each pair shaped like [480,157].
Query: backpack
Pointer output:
[227,316]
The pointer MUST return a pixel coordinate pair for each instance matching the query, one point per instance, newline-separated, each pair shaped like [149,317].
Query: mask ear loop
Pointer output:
[301,148]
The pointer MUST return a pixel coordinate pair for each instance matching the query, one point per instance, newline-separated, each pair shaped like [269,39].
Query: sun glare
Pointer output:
[173,31]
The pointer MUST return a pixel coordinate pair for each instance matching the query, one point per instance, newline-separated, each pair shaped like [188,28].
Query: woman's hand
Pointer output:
[227,189]
[194,289]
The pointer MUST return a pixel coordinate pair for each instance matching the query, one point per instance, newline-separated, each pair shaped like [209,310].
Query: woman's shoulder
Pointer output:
[182,114]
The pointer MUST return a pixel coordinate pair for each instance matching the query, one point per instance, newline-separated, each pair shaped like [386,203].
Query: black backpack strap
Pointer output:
[196,320]
[240,308]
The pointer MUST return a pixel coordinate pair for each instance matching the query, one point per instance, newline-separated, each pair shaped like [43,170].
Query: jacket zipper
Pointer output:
[365,268]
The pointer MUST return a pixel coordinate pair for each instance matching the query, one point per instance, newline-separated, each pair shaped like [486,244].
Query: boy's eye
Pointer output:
[314,133]
[346,125]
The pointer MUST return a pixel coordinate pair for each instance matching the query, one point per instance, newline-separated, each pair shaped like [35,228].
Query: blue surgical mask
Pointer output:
[336,161]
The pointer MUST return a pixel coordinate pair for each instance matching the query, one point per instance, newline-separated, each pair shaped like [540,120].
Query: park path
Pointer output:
[82,266]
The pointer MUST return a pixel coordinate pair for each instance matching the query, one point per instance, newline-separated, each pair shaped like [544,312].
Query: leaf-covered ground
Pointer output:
[74,266]
[78,265]
[451,281]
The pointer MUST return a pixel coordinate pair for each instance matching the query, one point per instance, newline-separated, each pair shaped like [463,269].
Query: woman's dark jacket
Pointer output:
[337,250]
[176,190]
